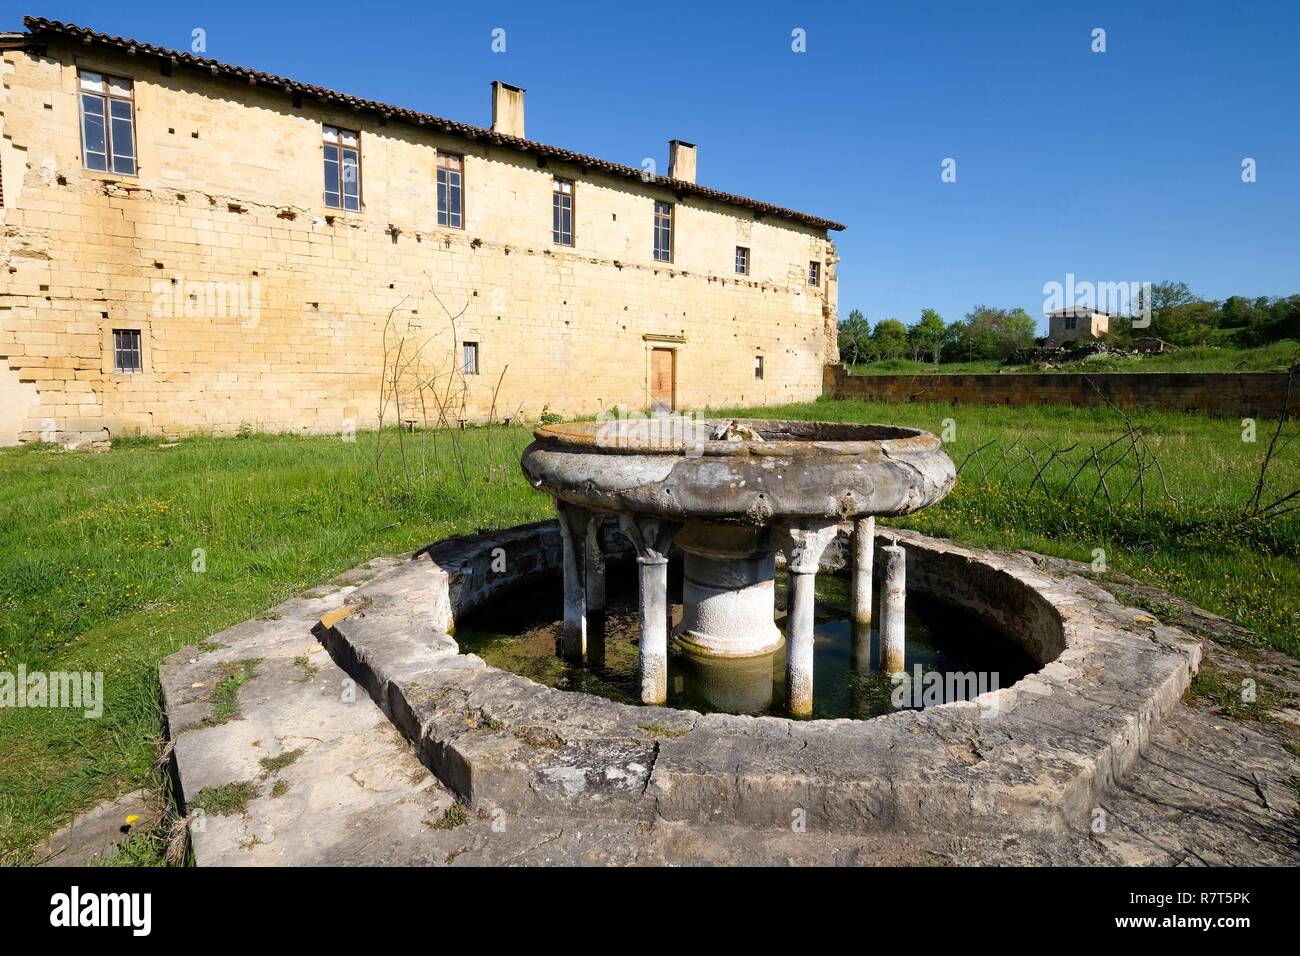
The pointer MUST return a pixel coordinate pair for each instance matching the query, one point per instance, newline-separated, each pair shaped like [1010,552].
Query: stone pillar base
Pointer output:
[728,606]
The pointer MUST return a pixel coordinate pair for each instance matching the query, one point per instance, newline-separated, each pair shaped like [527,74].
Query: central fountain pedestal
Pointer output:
[728,591]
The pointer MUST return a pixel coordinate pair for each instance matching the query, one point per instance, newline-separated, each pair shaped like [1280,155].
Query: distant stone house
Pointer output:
[188,246]
[1076,324]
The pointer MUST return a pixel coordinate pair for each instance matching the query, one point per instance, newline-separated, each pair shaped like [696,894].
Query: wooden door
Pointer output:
[662,380]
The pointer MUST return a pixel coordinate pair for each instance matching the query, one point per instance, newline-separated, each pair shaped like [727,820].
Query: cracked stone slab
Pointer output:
[330,779]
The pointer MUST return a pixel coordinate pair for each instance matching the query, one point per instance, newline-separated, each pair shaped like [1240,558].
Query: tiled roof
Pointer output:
[40,27]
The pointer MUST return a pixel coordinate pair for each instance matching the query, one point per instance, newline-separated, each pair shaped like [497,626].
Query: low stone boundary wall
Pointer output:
[1225,394]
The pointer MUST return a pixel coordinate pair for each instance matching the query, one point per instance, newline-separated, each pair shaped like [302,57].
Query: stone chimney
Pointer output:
[507,109]
[681,161]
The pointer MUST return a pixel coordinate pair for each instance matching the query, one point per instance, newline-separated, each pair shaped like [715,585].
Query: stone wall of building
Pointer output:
[260,307]
[1256,394]
[1088,327]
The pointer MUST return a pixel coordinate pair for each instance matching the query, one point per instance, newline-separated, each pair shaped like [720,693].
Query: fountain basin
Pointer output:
[1032,756]
[817,470]
[729,494]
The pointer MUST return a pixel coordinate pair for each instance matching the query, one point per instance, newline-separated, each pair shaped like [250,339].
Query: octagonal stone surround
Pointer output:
[1033,756]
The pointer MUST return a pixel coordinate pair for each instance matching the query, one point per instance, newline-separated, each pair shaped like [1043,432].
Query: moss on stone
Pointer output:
[665,731]
[309,669]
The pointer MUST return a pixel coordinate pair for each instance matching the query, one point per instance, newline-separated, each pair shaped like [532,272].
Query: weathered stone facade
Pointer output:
[260,307]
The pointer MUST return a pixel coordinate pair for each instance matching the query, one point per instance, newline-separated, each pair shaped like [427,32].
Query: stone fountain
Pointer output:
[730,494]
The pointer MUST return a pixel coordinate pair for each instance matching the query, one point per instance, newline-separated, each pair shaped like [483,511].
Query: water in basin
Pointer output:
[519,632]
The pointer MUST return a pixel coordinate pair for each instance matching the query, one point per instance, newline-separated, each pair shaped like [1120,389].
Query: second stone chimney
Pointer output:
[507,109]
[681,161]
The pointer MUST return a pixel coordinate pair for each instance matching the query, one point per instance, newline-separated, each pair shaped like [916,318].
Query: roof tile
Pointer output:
[40,27]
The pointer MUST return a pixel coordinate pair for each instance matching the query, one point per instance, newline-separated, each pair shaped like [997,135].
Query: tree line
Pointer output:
[985,333]
[1182,318]
[1177,316]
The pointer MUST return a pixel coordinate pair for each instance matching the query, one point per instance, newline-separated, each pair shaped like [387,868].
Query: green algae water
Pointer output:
[520,632]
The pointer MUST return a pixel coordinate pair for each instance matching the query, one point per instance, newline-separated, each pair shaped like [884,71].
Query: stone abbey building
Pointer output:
[189,246]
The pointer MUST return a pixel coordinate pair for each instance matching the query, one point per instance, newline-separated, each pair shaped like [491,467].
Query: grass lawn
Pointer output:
[97,551]
[96,558]
[1274,357]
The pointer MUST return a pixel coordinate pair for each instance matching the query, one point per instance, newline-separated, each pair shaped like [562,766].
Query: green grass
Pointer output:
[905,366]
[1274,357]
[1200,547]
[147,849]
[97,553]
[96,573]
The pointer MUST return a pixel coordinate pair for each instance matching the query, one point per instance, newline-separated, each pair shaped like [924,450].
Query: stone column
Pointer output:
[595,566]
[804,545]
[651,537]
[864,549]
[573,532]
[892,600]
[652,573]
[595,592]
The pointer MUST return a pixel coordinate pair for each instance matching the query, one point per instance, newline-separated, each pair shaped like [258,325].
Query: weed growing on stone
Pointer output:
[280,761]
[227,800]
[225,698]
[454,817]
[1226,693]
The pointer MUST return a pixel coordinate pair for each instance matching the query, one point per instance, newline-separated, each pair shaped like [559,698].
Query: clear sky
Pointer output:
[1117,166]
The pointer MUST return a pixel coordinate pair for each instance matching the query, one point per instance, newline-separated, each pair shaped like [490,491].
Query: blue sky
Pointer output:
[1115,166]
